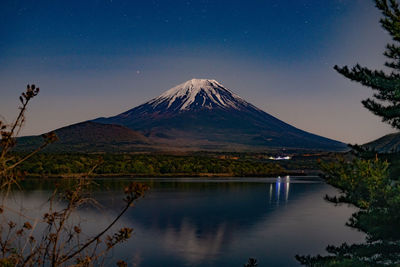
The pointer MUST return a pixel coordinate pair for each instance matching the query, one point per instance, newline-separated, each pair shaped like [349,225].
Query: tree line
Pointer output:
[45,164]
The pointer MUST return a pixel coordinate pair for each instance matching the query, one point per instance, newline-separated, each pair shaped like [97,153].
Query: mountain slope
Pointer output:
[90,137]
[203,114]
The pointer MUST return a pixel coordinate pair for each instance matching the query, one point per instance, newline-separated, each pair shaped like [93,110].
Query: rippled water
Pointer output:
[218,222]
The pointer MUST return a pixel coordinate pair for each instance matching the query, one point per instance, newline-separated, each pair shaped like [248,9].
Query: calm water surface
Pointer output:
[218,222]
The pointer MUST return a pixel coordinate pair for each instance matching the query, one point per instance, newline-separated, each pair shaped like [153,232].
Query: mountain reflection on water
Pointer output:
[219,222]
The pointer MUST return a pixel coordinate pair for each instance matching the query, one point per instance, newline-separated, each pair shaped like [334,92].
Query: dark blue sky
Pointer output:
[274,30]
[99,58]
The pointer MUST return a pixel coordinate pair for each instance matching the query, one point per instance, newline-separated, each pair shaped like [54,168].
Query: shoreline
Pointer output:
[167,175]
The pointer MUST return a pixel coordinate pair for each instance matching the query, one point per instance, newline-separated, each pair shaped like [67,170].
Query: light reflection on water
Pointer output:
[220,222]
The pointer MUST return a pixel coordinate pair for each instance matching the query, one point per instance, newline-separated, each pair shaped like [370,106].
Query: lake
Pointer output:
[216,221]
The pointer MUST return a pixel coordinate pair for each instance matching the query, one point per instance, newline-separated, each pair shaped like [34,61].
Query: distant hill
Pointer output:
[387,144]
[90,137]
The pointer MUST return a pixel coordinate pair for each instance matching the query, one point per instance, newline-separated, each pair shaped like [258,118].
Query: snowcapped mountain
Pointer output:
[203,114]
[197,94]
[193,95]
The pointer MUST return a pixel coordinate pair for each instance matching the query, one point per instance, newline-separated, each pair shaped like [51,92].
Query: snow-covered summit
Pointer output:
[198,93]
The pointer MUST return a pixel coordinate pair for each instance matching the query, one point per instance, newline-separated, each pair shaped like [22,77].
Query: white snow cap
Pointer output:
[212,93]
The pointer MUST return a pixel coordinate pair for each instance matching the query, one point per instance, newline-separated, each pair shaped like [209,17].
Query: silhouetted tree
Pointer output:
[365,181]
[251,263]
[386,102]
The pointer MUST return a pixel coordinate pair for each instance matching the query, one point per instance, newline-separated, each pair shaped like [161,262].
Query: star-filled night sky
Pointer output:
[100,58]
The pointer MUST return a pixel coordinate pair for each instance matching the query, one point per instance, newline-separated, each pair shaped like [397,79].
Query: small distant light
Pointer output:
[138,72]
